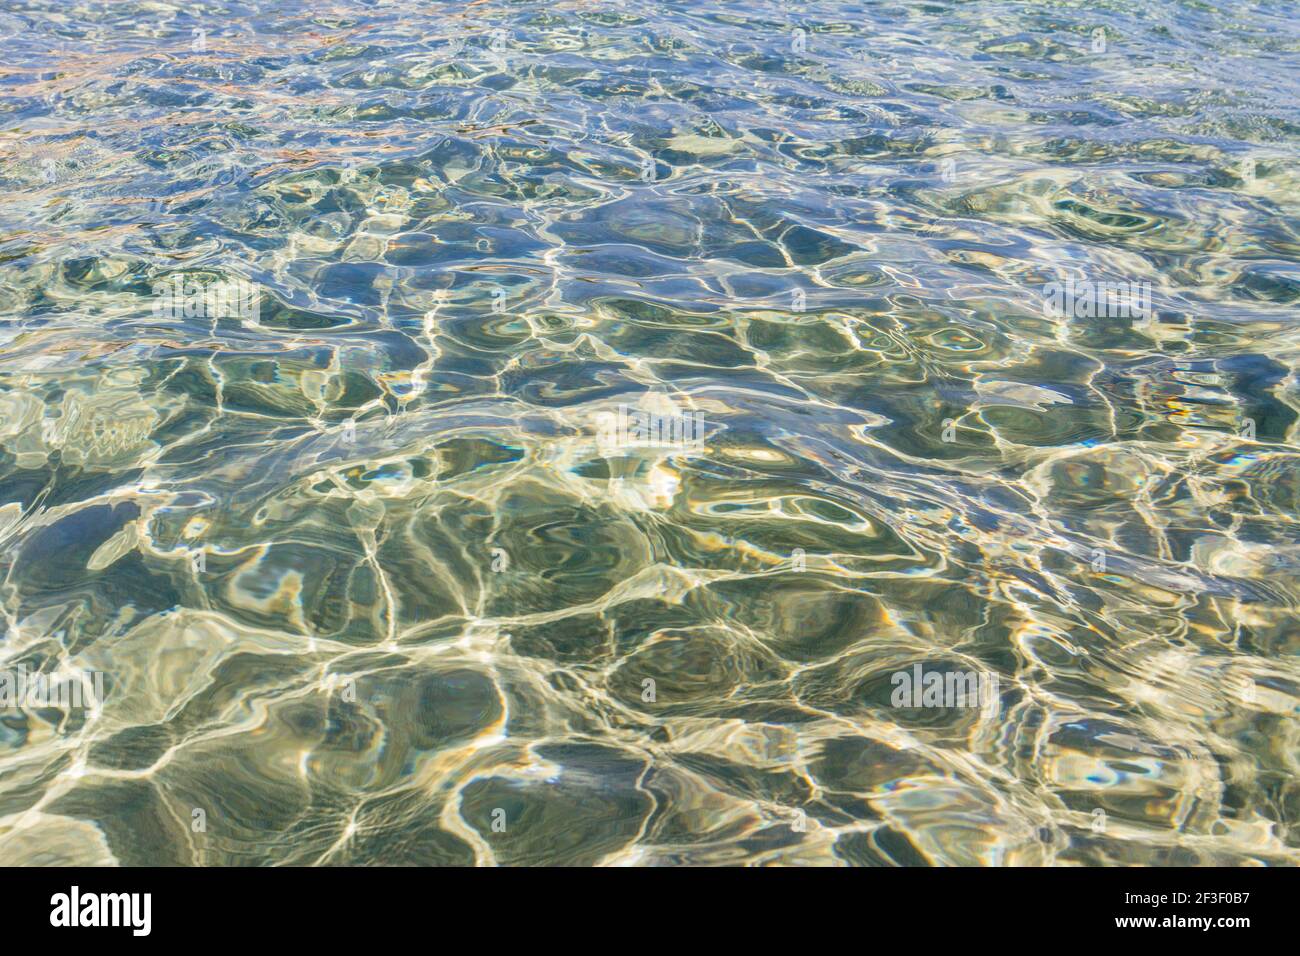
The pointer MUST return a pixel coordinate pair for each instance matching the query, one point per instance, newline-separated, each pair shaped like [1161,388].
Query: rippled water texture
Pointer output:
[367,581]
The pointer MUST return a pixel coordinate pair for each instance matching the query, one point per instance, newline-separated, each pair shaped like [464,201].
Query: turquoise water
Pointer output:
[576,433]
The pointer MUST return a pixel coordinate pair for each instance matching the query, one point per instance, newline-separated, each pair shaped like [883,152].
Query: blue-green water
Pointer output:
[564,433]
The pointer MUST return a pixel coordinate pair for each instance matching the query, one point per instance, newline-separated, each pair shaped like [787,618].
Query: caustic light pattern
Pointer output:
[649,433]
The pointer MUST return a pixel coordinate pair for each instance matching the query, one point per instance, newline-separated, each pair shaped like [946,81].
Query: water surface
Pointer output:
[368,578]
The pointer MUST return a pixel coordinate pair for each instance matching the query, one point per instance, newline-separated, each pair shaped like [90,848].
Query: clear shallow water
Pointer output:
[367,579]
